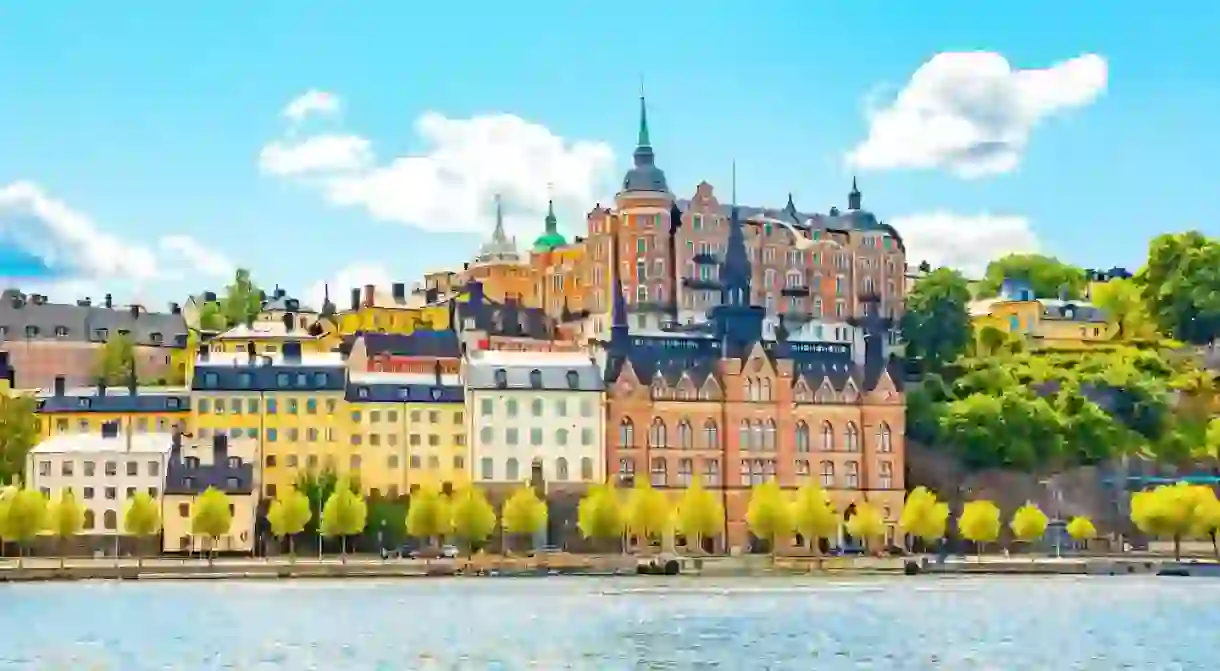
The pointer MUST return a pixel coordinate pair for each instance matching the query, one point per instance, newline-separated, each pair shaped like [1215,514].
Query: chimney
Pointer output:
[209,297]
[292,352]
[355,299]
[280,293]
[133,381]
[251,352]
[431,295]
[436,370]
[175,309]
[289,320]
[60,383]
[220,449]
[110,429]
[465,266]
[399,289]
[203,353]
[101,386]
[109,302]
[370,295]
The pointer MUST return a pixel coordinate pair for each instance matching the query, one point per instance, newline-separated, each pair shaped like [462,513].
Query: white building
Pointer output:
[531,410]
[103,470]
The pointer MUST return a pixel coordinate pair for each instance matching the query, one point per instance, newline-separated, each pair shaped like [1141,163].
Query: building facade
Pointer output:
[131,409]
[190,471]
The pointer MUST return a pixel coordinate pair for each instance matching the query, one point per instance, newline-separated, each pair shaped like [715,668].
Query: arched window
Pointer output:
[711,435]
[510,469]
[110,519]
[626,433]
[743,435]
[769,436]
[659,476]
[656,433]
[90,519]
[766,389]
[802,470]
[851,439]
[756,437]
[561,469]
[573,379]
[828,474]
[853,475]
[586,469]
[684,435]
[802,436]
[885,475]
[501,378]
[536,379]
[884,438]
[749,389]
[828,437]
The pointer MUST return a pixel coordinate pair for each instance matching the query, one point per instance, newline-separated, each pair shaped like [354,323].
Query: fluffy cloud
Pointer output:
[341,283]
[76,254]
[450,184]
[972,113]
[311,103]
[965,242]
[319,154]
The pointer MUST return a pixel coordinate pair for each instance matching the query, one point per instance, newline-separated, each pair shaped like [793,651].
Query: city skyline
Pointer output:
[175,179]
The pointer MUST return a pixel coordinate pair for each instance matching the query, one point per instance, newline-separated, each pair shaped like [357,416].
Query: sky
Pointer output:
[148,150]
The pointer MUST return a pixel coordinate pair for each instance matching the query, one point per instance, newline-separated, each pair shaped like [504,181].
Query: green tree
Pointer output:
[699,515]
[647,513]
[429,516]
[142,519]
[936,322]
[241,301]
[867,524]
[813,515]
[524,514]
[65,518]
[474,519]
[923,516]
[211,317]
[288,515]
[600,514]
[25,517]
[1123,303]
[769,514]
[1028,523]
[344,514]
[1180,285]
[318,485]
[1047,276]
[116,360]
[979,523]
[19,431]
[211,518]
[1081,530]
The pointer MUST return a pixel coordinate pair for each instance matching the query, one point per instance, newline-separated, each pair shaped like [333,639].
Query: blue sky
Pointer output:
[134,143]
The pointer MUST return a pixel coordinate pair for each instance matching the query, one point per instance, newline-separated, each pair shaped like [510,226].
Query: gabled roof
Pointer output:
[442,344]
[23,319]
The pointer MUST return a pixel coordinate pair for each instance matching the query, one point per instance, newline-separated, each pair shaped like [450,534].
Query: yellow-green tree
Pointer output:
[648,513]
[65,518]
[429,517]
[524,514]
[18,433]
[344,514]
[1174,511]
[1028,523]
[813,516]
[1081,530]
[142,519]
[6,499]
[979,523]
[699,515]
[867,524]
[288,515]
[116,360]
[473,517]
[769,514]
[923,516]
[600,514]
[25,518]
[211,518]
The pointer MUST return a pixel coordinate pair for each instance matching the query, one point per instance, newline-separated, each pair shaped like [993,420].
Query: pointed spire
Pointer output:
[498,234]
[618,305]
[734,183]
[552,225]
[855,197]
[643,138]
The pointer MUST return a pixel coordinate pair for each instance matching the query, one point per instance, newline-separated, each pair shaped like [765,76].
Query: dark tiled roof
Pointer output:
[1056,310]
[182,479]
[852,220]
[267,376]
[22,319]
[118,400]
[397,392]
[440,344]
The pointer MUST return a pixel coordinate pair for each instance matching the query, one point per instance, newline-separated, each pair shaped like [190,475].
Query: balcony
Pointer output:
[794,291]
[705,259]
[700,284]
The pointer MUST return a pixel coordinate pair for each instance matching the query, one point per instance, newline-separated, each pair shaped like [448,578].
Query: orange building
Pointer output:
[499,267]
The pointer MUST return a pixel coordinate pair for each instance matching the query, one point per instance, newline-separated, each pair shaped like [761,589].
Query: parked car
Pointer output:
[445,552]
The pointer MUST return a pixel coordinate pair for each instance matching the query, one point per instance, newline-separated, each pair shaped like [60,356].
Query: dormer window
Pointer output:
[191,462]
[61,331]
[234,462]
[573,379]
[501,377]
[124,332]
[154,338]
[172,403]
[283,380]
[84,402]
[31,331]
[102,334]
[210,380]
[536,378]
[243,380]
[320,379]
[362,392]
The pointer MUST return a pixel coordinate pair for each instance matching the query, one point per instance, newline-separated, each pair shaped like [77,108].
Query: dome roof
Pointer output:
[548,241]
[645,176]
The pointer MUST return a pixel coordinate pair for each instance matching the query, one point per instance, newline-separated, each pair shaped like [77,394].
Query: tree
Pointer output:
[142,519]
[1081,529]
[867,524]
[923,516]
[1180,285]
[429,517]
[600,514]
[979,523]
[813,516]
[1047,276]
[211,317]
[769,514]
[1174,511]
[344,515]
[65,518]
[473,517]
[288,515]
[648,513]
[25,516]
[936,322]
[19,432]
[211,518]
[699,514]
[1123,304]
[116,360]
[241,301]
[1028,523]
[524,513]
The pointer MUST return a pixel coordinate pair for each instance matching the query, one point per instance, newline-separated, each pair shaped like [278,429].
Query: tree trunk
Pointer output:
[1177,547]
[342,549]
[63,558]
[292,557]
[1215,545]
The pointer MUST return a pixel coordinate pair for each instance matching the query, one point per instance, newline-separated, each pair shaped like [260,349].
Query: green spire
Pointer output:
[643,141]
[552,226]
[551,237]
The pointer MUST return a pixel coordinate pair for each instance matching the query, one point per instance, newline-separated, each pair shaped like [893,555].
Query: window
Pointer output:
[685,440]
[561,437]
[510,407]
[536,407]
[510,436]
[769,436]
[561,469]
[656,433]
[626,433]
[659,477]
[626,468]
[486,468]
[884,439]
[536,379]
[44,468]
[112,493]
[133,468]
[110,520]
[130,493]
[853,475]
[486,407]
[743,435]
[586,469]
[685,470]
[828,437]
[711,438]
[486,435]
[802,437]
[89,519]
[573,379]
[885,475]
[828,474]
[802,470]
[535,436]
[501,378]
[711,473]
[510,469]
[851,439]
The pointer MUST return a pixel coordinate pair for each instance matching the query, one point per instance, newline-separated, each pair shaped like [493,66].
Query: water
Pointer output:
[610,624]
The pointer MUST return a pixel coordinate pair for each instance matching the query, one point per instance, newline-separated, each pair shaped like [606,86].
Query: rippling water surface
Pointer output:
[1047,624]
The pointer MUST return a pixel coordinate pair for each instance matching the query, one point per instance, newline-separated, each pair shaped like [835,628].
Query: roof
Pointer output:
[317,372]
[23,318]
[140,443]
[1075,311]
[366,377]
[182,479]
[852,220]
[265,329]
[442,344]
[560,371]
[404,388]
[548,241]
[115,400]
[282,302]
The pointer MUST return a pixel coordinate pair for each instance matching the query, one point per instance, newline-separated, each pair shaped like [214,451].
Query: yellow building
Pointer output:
[279,306]
[190,471]
[372,311]
[284,411]
[267,337]
[134,409]
[1046,323]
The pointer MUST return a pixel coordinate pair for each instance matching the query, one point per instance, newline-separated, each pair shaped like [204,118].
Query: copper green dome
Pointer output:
[551,238]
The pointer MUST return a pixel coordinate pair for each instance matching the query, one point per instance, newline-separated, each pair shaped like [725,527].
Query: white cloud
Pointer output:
[451,183]
[312,102]
[964,242]
[341,283]
[319,154]
[78,255]
[972,113]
